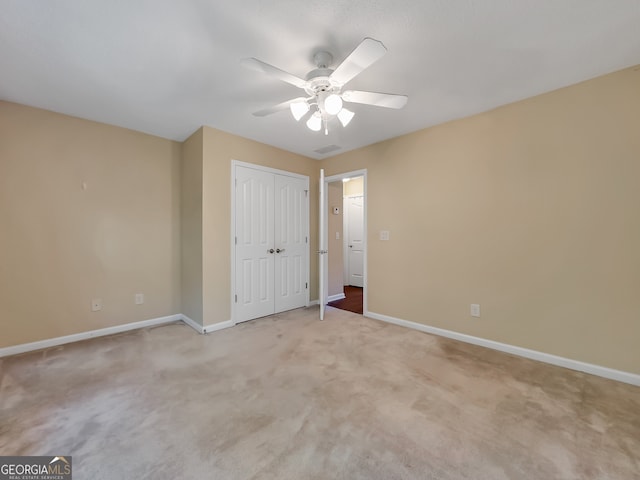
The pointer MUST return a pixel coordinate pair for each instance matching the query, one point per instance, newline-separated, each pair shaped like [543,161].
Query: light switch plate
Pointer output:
[475,310]
[384,235]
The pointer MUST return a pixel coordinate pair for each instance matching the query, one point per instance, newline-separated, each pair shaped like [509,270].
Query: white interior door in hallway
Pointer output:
[271,242]
[354,220]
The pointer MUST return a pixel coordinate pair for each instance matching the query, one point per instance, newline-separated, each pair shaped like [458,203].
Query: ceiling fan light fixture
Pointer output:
[323,87]
[345,116]
[315,122]
[333,104]
[298,109]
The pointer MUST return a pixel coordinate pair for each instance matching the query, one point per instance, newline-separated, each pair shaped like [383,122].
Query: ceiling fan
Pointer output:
[323,87]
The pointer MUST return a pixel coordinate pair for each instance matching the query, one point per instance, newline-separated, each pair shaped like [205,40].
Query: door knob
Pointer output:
[270,250]
[279,250]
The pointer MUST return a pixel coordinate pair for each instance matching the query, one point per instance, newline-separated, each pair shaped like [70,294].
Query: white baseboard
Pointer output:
[76,337]
[337,296]
[214,327]
[314,302]
[53,342]
[625,377]
[192,323]
[206,329]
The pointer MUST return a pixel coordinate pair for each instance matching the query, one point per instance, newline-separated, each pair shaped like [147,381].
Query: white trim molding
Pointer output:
[337,296]
[620,376]
[208,328]
[365,245]
[192,323]
[76,337]
[214,327]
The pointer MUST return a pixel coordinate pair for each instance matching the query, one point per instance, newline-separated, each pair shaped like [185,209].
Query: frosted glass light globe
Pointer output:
[333,104]
[299,109]
[315,122]
[345,116]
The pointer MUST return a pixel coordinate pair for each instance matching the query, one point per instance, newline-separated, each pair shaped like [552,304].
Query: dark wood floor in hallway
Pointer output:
[352,301]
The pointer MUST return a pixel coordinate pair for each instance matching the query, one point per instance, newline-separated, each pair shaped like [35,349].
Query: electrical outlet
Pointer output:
[384,235]
[475,310]
[96,304]
[139,298]
[337,235]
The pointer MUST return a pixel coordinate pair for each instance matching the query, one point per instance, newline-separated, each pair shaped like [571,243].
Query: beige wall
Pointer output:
[220,149]
[335,246]
[62,245]
[191,227]
[531,210]
[355,186]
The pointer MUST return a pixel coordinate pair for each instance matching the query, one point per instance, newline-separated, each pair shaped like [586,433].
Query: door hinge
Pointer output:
[306,239]
[236,182]
[236,240]
[306,285]
[306,193]
[236,298]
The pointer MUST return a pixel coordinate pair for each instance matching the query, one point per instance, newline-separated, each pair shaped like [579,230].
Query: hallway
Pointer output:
[352,302]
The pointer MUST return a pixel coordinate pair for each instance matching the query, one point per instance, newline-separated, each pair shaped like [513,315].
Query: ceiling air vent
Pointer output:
[327,149]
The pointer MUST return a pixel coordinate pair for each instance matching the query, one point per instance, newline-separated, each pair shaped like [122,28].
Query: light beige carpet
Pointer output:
[290,397]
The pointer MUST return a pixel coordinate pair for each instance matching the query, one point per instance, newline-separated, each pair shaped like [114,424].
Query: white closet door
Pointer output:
[290,242]
[255,247]
[271,250]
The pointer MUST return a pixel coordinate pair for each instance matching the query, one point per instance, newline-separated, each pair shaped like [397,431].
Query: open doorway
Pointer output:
[346,241]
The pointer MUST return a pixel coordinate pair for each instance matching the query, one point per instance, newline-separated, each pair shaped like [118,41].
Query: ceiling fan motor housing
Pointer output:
[319,80]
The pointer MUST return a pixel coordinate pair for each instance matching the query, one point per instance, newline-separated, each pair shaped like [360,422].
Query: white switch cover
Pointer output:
[139,298]
[96,304]
[384,234]
[475,310]
[337,235]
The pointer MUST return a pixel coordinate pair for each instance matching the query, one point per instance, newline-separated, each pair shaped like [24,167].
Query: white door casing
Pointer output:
[322,244]
[355,240]
[342,176]
[270,243]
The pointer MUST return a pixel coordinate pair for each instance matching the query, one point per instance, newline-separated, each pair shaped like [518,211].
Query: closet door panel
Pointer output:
[254,244]
[291,239]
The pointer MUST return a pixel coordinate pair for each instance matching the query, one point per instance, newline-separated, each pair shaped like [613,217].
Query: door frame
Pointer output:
[232,233]
[340,177]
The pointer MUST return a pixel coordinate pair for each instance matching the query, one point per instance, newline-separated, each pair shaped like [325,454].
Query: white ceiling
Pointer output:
[166,67]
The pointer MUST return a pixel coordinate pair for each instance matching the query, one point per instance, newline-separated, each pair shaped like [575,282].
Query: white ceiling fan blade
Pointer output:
[276,108]
[365,54]
[388,100]
[260,66]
